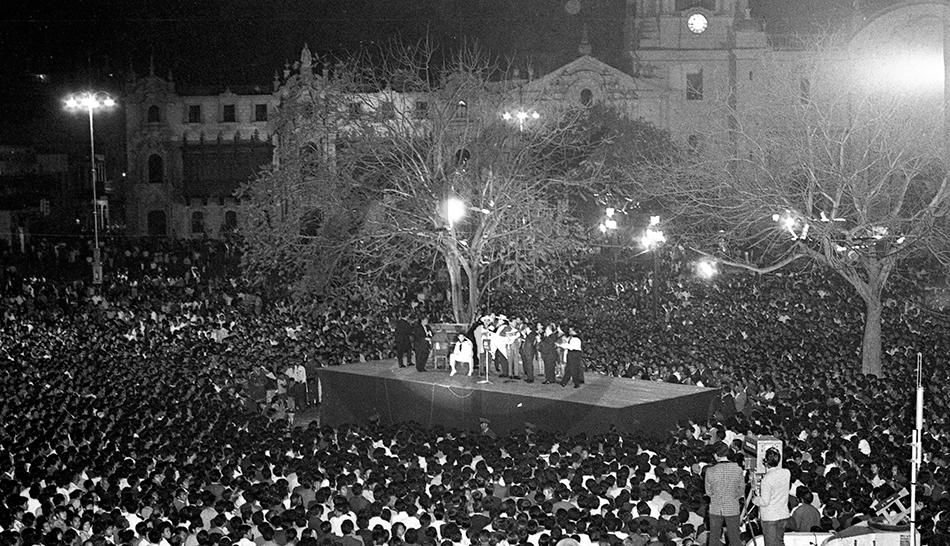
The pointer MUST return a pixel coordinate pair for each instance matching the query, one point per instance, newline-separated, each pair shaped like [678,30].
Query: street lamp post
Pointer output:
[92,101]
[651,240]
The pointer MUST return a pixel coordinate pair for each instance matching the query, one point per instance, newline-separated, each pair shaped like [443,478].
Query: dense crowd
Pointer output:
[125,415]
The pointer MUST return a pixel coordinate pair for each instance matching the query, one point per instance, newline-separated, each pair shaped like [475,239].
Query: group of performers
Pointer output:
[505,347]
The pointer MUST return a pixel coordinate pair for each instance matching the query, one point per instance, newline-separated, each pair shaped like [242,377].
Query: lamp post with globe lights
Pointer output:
[520,117]
[651,240]
[90,102]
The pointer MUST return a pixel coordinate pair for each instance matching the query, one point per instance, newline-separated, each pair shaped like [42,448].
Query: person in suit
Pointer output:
[529,351]
[499,345]
[402,332]
[547,346]
[421,343]
[514,347]
[574,369]
[725,485]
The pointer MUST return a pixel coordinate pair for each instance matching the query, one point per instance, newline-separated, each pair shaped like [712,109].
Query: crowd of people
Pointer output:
[127,417]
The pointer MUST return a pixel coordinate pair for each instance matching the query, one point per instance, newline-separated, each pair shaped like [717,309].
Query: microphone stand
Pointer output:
[486,361]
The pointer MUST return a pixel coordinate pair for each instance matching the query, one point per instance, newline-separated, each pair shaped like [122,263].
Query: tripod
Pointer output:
[753,479]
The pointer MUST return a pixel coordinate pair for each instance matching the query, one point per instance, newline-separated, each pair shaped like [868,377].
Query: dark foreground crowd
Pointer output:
[125,417]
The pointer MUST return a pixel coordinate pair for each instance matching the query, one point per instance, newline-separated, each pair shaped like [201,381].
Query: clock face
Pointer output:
[697,23]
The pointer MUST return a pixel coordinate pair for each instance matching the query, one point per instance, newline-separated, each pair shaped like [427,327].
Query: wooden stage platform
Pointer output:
[357,392]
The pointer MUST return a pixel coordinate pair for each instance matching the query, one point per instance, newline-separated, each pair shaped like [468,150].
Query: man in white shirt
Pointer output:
[298,386]
[462,354]
[772,499]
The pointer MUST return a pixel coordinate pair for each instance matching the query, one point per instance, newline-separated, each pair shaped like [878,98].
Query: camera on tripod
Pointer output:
[754,448]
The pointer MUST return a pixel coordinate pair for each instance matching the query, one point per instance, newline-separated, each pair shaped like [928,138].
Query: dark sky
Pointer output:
[243,39]
[221,42]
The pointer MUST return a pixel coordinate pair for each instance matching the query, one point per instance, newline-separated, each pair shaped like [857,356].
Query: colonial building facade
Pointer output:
[187,153]
[691,63]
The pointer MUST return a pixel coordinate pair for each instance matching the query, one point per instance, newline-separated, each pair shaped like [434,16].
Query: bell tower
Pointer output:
[695,49]
[684,24]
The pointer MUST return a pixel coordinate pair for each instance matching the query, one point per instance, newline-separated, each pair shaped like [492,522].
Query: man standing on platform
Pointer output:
[421,343]
[548,349]
[574,369]
[529,351]
[483,341]
[499,346]
[725,486]
[514,347]
[403,340]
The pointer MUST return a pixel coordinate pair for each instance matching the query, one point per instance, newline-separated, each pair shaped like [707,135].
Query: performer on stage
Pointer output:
[529,351]
[403,340]
[514,347]
[499,345]
[462,353]
[574,369]
[548,349]
[421,343]
[772,499]
[482,334]
[725,486]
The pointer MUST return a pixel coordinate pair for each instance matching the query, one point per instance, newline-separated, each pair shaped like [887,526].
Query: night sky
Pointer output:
[241,42]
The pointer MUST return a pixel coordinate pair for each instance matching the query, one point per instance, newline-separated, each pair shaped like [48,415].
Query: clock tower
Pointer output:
[696,49]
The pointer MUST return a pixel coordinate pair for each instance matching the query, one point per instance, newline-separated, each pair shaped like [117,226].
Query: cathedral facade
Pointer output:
[691,64]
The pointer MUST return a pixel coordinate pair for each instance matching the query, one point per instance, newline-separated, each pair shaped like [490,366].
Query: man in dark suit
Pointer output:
[403,341]
[529,351]
[421,343]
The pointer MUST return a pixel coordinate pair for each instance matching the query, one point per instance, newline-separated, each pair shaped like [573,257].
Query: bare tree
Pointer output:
[822,164]
[414,164]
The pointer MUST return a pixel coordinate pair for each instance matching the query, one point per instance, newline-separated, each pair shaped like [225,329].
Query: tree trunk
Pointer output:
[455,289]
[871,346]
[474,292]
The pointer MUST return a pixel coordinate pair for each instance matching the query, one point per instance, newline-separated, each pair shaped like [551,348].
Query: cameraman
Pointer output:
[725,485]
[772,499]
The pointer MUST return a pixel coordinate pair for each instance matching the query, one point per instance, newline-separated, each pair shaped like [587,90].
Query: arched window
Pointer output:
[461,109]
[230,220]
[587,97]
[157,226]
[156,169]
[197,222]
[153,114]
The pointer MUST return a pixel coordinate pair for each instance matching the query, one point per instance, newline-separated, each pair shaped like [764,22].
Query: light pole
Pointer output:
[651,240]
[92,101]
